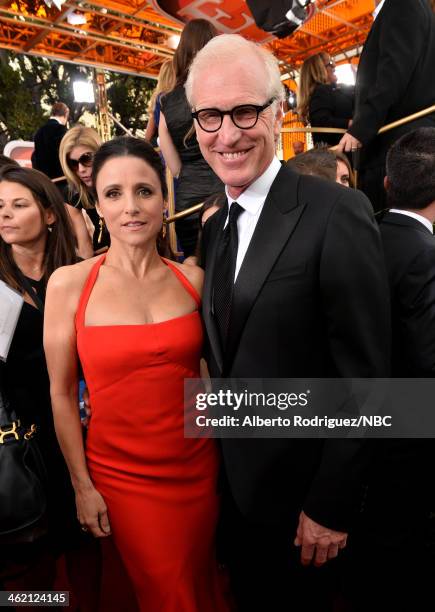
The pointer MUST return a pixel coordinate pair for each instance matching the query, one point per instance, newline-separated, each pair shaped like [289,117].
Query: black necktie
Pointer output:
[225,266]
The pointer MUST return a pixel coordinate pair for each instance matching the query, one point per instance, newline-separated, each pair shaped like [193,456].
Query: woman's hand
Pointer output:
[92,512]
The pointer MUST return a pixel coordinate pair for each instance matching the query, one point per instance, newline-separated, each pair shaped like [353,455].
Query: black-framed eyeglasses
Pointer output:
[244,116]
[85,160]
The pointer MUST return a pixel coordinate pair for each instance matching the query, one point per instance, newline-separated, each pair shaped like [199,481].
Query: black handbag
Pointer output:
[23,480]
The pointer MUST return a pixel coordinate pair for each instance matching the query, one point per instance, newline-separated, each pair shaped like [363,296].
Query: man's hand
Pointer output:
[348,143]
[319,544]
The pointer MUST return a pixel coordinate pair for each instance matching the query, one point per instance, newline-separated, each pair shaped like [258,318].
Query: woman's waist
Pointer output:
[150,454]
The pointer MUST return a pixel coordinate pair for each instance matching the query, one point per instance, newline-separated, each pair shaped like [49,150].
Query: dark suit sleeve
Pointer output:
[322,107]
[416,296]
[355,295]
[355,290]
[401,39]
[204,242]
[58,135]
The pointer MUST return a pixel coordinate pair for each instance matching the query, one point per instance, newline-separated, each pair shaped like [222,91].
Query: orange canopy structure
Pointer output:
[136,36]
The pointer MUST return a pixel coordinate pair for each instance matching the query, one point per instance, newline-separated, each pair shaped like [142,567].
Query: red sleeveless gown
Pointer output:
[159,487]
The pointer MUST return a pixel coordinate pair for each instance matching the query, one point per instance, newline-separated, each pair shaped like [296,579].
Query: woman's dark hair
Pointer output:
[125,146]
[7,161]
[60,245]
[134,147]
[216,199]
[195,35]
[341,156]
[319,161]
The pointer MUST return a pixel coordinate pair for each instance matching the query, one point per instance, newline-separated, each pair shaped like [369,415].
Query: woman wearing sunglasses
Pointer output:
[76,153]
[321,102]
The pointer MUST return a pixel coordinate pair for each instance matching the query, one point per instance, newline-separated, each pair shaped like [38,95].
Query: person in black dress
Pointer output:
[195,179]
[35,239]
[76,154]
[321,102]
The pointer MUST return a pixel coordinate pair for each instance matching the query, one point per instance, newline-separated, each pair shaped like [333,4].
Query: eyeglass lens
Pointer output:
[243,117]
[85,160]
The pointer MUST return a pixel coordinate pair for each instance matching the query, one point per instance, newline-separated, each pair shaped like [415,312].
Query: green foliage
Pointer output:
[29,86]
[19,117]
[128,97]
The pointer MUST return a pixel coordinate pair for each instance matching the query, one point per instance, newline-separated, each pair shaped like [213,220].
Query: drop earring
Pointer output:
[163,230]
[101,226]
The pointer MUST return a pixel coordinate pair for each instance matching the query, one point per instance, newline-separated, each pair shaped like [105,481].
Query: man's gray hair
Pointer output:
[228,48]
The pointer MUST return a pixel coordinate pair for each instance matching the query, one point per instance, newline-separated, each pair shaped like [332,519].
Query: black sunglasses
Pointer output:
[85,160]
[244,116]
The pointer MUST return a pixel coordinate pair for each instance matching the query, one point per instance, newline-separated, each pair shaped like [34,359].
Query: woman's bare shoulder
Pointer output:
[194,274]
[71,278]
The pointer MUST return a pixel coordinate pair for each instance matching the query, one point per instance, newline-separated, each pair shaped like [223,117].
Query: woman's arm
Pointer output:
[63,292]
[167,147]
[84,242]
[151,128]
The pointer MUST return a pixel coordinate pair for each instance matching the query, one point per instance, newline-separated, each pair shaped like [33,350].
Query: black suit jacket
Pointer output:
[46,154]
[310,300]
[395,76]
[410,258]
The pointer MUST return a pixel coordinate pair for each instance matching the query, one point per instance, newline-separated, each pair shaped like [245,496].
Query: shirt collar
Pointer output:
[254,196]
[56,119]
[414,215]
[378,9]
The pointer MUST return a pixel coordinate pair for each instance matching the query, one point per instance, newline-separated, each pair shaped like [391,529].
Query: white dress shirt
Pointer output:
[414,215]
[252,201]
[378,9]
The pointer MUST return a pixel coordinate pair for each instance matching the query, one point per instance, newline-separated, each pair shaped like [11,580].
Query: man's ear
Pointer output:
[386,183]
[279,115]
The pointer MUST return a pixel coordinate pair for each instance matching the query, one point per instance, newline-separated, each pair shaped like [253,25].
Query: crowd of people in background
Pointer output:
[285,273]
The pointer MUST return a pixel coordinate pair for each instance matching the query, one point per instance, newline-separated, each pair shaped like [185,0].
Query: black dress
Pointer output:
[330,106]
[95,218]
[25,380]
[197,180]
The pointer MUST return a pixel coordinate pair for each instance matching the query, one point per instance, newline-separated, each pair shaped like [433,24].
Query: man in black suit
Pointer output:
[409,245]
[295,287]
[394,80]
[398,501]
[45,157]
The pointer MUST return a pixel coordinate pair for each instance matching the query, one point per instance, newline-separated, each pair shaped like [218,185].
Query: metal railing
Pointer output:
[176,216]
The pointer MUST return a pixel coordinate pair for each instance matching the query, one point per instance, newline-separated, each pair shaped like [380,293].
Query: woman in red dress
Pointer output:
[133,318]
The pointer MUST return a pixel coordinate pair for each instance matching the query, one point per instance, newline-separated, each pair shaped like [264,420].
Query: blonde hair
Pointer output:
[230,48]
[313,72]
[78,136]
[165,83]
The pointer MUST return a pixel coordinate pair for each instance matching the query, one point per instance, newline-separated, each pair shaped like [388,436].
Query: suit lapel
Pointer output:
[278,219]
[207,300]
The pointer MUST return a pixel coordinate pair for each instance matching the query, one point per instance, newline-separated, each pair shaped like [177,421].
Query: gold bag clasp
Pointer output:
[11,431]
